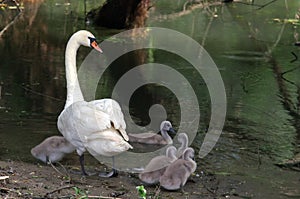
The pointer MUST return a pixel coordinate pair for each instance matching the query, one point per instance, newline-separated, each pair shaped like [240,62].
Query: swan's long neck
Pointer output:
[74,93]
[184,143]
[189,158]
[166,136]
[171,153]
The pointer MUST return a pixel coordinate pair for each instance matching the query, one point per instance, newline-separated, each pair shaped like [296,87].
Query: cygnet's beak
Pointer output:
[171,130]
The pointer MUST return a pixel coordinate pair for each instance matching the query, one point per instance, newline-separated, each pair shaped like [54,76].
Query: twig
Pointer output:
[10,24]
[257,5]
[10,190]
[17,4]
[288,71]
[249,4]
[5,189]
[13,21]
[285,79]
[66,172]
[57,169]
[102,197]
[295,57]
[4,177]
[262,6]
[185,12]
[277,40]
[259,157]
[207,31]
[71,186]
[58,189]
[157,191]
[38,93]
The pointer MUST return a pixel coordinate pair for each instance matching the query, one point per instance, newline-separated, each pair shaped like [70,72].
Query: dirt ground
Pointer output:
[37,180]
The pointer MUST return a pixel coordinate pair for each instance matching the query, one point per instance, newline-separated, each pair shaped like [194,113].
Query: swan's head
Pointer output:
[86,38]
[167,126]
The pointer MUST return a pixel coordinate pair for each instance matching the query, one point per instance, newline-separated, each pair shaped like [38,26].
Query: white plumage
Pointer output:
[97,126]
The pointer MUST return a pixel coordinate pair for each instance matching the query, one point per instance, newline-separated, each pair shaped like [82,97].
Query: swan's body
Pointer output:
[52,149]
[153,138]
[97,126]
[157,166]
[183,139]
[178,172]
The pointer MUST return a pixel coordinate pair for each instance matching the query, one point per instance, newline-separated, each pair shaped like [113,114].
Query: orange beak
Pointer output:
[96,46]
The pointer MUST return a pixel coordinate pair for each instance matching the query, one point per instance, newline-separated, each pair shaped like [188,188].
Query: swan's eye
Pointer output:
[92,40]
[93,44]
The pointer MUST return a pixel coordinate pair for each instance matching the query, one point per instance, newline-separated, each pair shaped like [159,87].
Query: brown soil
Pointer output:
[29,180]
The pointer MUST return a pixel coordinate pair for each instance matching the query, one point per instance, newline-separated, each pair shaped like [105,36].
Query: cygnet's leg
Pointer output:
[48,161]
[182,190]
[113,173]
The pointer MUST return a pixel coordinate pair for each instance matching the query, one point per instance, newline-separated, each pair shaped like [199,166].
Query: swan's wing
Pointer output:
[82,119]
[113,109]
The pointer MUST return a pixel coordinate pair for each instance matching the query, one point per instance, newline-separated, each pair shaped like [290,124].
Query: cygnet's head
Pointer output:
[188,153]
[167,126]
[183,138]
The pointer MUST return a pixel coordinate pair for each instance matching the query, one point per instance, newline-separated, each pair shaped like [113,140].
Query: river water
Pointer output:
[252,46]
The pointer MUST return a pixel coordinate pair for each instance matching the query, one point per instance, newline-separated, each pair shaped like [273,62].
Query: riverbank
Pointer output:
[37,180]
[26,180]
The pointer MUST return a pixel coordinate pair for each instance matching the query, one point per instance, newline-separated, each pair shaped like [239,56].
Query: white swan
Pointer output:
[97,126]
[153,138]
[52,149]
[176,175]
[157,166]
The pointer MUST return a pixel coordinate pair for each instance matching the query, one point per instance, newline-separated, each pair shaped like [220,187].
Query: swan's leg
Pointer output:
[81,160]
[113,173]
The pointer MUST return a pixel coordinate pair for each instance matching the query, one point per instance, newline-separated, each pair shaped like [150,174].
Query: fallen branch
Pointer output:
[185,11]
[13,21]
[40,94]
[157,192]
[71,186]
[10,24]
[58,189]
[295,57]
[262,6]
[66,172]
[10,190]
[4,177]
[102,197]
